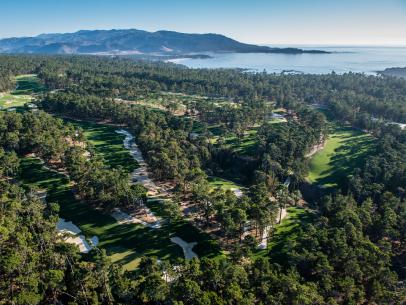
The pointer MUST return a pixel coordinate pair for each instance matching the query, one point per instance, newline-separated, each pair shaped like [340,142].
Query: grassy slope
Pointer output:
[345,149]
[246,146]
[289,228]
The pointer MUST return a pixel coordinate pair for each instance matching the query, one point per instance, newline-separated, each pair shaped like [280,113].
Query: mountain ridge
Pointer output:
[134,41]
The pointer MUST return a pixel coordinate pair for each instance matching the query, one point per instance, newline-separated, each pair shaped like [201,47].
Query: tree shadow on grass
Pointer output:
[349,155]
[286,234]
[108,144]
[134,237]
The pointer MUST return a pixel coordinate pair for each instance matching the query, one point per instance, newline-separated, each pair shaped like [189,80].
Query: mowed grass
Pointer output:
[223,184]
[108,144]
[247,145]
[345,149]
[26,86]
[8,100]
[125,243]
[286,232]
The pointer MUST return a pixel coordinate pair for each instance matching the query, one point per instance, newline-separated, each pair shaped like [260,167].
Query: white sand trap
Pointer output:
[140,174]
[264,237]
[68,228]
[186,247]
[284,214]
[287,182]
[124,218]
[237,192]
[80,241]
[42,195]
[94,241]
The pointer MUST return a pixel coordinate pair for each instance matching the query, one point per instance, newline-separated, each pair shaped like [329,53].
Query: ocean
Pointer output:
[342,59]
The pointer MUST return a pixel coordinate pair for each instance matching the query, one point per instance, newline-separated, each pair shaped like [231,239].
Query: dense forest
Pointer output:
[352,252]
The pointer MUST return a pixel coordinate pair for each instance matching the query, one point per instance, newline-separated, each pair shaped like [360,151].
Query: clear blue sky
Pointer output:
[257,21]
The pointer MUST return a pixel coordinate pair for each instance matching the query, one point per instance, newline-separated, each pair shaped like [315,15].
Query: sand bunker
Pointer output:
[237,192]
[140,174]
[94,241]
[186,247]
[124,218]
[68,228]
[42,195]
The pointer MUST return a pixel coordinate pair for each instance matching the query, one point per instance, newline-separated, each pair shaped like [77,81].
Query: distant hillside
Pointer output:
[134,42]
[398,72]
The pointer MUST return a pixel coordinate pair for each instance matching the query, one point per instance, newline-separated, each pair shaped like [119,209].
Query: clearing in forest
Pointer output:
[107,143]
[124,243]
[288,231]
[225,185]
[8,101]
[28,84]
[345,149]
[25,86]
[285,233]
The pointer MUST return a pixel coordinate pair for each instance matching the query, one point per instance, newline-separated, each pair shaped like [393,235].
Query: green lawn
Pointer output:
[220,183]
[247,145]
[26,85]
[124,243]
[345,149]
[286,232]
[8,100]
[107,143]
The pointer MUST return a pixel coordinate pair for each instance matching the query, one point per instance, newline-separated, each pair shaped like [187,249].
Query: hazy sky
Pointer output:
[372,22]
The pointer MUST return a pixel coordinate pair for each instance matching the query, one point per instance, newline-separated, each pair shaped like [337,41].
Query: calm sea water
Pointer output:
[342,59]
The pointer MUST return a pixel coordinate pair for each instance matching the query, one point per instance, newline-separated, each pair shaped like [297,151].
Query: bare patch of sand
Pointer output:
[70,232]
[186,247]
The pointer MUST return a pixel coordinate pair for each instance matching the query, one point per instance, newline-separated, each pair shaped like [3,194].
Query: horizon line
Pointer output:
[288,44]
